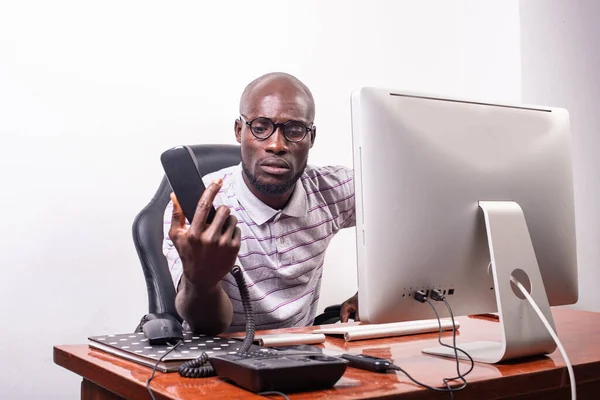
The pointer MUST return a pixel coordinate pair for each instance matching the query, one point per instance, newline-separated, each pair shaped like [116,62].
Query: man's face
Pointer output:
[272,166]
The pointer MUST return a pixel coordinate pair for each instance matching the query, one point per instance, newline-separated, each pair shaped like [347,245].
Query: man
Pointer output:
[275,218]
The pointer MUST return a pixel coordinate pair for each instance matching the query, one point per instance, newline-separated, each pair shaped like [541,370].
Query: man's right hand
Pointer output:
[207,251]
[348,308]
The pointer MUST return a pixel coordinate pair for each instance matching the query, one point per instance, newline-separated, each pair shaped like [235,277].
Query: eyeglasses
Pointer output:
[262,128]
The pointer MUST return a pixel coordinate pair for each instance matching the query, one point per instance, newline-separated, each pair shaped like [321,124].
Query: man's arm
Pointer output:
[206,310]
[207,253]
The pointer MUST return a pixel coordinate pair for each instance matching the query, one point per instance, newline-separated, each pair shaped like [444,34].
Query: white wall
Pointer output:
[560,64]
[91,93]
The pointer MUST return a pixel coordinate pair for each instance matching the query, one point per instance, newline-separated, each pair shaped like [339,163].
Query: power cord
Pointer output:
[552,333]
[436,295]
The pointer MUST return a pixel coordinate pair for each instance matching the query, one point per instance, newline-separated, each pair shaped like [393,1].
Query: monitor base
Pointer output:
[522,332]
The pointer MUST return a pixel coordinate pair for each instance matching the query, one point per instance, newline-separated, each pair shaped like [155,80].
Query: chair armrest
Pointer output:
[330,315]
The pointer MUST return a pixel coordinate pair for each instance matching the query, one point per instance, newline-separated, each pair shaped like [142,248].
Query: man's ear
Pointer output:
[313,136]
[237,127]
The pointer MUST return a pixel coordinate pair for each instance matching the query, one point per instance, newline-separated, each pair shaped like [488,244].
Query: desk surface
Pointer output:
[542,377]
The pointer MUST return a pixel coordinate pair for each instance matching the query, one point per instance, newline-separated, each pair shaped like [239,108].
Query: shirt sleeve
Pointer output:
[169,250]
[348,214]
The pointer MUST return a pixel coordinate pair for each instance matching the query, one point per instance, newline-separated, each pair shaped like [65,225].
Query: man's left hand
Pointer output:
[349,307]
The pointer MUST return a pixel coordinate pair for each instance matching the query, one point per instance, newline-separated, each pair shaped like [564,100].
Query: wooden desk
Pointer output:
[109,377]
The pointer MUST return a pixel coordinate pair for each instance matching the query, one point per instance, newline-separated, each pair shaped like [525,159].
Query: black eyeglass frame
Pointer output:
[275,126]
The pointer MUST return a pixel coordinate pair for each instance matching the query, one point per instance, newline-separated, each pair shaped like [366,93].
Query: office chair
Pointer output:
[148,238]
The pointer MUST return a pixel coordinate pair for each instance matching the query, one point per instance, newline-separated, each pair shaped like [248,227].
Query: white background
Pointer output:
[92,93]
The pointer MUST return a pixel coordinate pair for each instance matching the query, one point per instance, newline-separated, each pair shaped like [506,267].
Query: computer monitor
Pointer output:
[459,195]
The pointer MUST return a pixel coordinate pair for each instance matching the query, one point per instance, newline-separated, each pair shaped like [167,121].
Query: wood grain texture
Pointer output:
[540,377]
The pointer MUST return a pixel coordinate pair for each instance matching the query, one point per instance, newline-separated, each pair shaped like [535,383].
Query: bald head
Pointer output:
[273,84]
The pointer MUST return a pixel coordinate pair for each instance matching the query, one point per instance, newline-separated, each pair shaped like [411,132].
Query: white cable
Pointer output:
[552,333]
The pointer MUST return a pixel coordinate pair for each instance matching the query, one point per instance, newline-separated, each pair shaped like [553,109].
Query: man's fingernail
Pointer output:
[218,181]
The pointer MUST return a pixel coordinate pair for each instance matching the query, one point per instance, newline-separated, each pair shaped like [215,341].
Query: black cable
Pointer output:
[460,376]
[247,304]
[154,369]
[421,296]
[272,392]
[446,389]
[197,368]
[447,380]
[200,367]
[456,349]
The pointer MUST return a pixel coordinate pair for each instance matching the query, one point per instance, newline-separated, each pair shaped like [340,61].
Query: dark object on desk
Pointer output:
[368,363]
[163,331]
[259,372]
[148,237]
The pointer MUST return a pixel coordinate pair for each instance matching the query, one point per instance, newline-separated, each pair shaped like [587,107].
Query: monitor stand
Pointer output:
[511,252]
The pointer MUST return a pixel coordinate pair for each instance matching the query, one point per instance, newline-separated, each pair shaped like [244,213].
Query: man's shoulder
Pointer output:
[326,175]
[331,190]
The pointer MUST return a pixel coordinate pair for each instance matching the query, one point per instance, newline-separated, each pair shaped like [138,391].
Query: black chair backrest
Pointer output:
[148,229]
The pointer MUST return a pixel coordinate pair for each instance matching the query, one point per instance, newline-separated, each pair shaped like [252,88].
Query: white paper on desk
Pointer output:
[288,339]
[390,332]
[361,332]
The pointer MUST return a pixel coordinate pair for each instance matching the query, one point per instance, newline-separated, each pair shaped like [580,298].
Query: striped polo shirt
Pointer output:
[282,251]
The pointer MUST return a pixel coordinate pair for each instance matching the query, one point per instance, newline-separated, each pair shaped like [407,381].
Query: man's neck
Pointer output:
[275,201]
